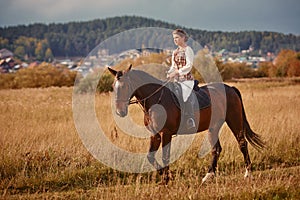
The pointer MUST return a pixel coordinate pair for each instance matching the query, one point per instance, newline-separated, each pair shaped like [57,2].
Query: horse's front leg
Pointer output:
[155,141]
[154,121]
[166,146]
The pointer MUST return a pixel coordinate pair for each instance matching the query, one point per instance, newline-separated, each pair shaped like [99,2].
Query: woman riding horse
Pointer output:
[150,92]
[180,70]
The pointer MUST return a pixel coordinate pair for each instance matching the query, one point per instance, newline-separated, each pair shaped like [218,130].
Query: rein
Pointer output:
[152,94]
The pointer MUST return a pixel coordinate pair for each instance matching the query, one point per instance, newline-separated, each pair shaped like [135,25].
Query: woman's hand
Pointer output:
[173,74]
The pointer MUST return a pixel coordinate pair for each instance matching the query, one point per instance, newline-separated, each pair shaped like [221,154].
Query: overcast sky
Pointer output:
[224,15]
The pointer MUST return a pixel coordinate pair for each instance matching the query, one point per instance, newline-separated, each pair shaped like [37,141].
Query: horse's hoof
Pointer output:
[208,177]
[248,175]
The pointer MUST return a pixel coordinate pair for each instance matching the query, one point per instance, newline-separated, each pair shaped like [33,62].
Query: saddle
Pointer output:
[201,93]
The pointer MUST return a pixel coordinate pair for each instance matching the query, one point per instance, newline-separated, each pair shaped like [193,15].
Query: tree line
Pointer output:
[286,64]
[46,41]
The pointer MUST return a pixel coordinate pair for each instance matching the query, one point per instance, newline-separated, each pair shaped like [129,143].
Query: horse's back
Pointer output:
[210,92]
[203,97]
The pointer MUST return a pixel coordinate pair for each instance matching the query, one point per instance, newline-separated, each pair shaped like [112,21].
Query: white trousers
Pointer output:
[187,88]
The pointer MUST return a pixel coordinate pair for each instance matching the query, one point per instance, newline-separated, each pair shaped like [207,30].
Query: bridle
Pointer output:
[149,96]
[129,92]
[141,101]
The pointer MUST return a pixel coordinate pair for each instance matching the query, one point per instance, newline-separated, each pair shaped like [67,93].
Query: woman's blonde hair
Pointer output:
[181,33]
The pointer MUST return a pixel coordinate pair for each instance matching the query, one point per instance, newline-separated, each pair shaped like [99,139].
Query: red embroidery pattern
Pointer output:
[180,61]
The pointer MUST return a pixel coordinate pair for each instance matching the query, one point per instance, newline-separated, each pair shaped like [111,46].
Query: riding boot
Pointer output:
[189,113]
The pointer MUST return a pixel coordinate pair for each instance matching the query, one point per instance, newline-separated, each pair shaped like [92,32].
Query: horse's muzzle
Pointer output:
[121,108]
[122,113]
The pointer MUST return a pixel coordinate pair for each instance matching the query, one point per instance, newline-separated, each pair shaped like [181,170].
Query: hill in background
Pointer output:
[45,41]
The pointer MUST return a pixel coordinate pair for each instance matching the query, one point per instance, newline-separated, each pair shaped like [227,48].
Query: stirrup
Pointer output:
[190,123]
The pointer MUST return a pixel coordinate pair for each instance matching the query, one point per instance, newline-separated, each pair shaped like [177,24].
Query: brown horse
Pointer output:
[150,91]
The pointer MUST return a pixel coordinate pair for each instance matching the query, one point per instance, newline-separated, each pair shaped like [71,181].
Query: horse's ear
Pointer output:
[113,72]
[129,68]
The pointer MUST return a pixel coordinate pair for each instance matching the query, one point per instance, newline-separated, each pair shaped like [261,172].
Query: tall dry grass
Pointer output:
[42,155]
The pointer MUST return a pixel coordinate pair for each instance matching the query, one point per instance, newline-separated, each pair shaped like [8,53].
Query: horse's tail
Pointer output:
[253,138]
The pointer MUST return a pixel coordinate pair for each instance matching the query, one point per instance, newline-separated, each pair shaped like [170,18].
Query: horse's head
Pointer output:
[123,91]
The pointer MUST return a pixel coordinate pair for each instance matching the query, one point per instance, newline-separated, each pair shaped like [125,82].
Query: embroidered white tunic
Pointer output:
[182,59]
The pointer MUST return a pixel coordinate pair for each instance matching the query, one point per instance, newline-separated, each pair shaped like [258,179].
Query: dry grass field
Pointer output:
[42,156]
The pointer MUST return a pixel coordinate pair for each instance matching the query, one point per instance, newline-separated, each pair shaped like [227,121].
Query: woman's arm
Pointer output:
[172,71]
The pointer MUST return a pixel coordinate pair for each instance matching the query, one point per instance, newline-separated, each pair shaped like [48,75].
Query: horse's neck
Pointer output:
[146,86]
[148,95]
[147,91]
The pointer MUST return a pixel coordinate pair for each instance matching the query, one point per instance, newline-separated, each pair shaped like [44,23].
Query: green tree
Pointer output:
[39,53]
[20,52]
[48,55]
[4,43]
[28,43]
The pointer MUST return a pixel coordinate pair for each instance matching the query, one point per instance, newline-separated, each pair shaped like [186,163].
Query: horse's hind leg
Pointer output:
[234,120]
[213,137]
[166,147]
[243,145]
[216,151]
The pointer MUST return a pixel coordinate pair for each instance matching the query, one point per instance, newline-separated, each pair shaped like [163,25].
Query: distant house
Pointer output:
[7,65]
[4,53]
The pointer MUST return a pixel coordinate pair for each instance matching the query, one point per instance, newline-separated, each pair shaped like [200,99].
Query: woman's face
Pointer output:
[178,40]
